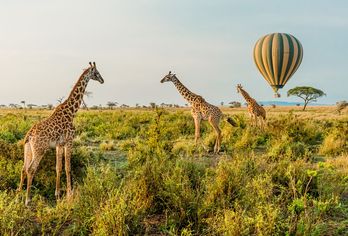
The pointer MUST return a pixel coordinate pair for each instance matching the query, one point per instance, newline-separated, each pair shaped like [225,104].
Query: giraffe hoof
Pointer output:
[27,202]
[57,194]
[69,195]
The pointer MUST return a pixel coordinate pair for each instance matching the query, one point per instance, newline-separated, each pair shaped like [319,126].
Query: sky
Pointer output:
[45,45]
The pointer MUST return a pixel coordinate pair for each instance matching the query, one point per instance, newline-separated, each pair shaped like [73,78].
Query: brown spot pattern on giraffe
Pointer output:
[57,130]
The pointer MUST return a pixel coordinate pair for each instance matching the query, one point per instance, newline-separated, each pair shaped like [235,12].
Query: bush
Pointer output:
[140,173]
[335,142]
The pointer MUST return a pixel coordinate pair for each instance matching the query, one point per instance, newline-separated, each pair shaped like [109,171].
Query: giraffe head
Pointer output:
[169,77]
[94,74]
[239,87]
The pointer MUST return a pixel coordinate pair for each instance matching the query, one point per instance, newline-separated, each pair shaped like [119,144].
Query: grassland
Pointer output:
[137,171]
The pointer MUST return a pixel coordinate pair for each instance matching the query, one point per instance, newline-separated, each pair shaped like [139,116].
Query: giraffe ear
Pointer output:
[170,72]
[94,64]
[90,63]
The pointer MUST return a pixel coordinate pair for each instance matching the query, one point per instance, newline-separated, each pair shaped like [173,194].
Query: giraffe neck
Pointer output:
[73,102]
[185,92]
[246,96]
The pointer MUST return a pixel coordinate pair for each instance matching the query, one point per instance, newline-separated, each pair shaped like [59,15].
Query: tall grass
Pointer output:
[139,172]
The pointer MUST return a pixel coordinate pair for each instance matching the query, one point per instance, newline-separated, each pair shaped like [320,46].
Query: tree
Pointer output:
[60,100]
[111,105]
[23,102]
[152,105]
[308,94]
[12,105]
[31,106]
[235,104]
[88,94]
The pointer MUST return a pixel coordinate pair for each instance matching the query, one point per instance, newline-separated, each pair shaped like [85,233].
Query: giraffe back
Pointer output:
[256,109]
[54,129]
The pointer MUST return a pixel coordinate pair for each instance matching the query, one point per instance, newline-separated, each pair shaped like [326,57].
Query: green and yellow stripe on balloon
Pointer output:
[278,56]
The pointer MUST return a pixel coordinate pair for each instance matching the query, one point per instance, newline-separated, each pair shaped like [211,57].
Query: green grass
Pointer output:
[139,172]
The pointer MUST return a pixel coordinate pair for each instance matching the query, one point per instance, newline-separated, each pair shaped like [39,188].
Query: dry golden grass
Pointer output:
[138,172]
[315,112]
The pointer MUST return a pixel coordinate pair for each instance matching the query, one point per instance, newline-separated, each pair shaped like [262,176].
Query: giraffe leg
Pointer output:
[251,118]
[197,128]
[27,160]
[215,124]
[31,170]
[23,175]
[59,158]
[254,120]
[29,181]
[197,119]
[264,122]
[258,123]
[68,151]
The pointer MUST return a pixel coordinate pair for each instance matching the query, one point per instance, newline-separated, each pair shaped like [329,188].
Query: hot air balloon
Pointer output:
[278,56]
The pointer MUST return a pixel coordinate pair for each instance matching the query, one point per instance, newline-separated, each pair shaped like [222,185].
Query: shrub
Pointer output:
[140,173]
[335,142]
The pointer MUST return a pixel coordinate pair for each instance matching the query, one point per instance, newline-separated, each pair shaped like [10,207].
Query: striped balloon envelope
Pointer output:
[278,56]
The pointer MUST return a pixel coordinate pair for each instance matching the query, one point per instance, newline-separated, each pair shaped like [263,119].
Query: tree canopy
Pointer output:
[308,94]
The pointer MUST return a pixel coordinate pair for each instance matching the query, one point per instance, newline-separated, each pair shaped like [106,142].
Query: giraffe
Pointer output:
[254,109]
[200,110]
[56,131]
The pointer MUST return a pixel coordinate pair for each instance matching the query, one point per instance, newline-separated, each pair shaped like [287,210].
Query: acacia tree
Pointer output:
[308,94]
[60,100]
[88,94]
[111,105]
[235,104]
[30,106]
[152,105]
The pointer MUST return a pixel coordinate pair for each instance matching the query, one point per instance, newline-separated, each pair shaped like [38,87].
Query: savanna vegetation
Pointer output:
[139,172]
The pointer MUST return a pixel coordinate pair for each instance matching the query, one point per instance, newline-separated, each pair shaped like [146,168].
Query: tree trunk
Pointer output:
[305,105]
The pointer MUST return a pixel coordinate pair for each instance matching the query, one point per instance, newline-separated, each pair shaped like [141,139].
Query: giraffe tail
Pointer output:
[26,138]
[232,122]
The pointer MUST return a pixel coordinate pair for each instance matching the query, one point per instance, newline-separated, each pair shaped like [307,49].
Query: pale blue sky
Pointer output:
[44,46]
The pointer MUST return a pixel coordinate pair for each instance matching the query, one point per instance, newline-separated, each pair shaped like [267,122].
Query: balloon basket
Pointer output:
[277,95]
